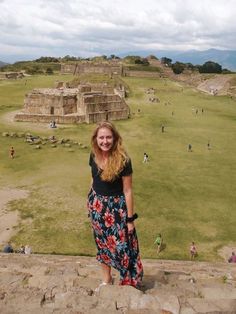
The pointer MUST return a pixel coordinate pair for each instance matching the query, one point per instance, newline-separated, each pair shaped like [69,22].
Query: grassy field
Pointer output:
[186,196]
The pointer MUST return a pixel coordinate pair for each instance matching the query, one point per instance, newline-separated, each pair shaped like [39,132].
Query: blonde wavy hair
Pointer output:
[117,155]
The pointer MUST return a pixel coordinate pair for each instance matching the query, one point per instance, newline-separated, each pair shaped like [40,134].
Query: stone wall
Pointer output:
[141,74]
[51,102]
[102,87]
[11,75]
[100,68]
[104,107]
[48,118]
[111,68]
[84,88]
[77,105]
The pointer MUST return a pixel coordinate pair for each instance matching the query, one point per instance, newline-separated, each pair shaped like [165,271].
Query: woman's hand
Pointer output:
[130,226]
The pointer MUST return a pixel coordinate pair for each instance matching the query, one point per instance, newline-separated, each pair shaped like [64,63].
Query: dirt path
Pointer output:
[9,219]
[8,119]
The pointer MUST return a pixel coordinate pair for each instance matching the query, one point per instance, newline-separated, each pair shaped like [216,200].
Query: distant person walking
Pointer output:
[12,152]
[193,251]
[158,242]
[22,249]
[190,148]
[162,128]
[28,249]
[232,258]
[145,157]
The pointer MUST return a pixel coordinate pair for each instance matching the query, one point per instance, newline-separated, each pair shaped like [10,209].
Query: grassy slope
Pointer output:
[185,196]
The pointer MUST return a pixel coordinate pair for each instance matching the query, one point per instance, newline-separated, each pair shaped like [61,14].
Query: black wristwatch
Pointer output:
[131,219]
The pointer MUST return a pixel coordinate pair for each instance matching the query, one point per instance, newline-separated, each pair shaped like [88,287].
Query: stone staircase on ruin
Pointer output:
[166,72]
[66,284]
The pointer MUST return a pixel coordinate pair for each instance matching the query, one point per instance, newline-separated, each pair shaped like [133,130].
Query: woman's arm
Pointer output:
[128,192]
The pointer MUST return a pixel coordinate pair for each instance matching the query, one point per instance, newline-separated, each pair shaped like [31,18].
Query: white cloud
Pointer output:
[84,28]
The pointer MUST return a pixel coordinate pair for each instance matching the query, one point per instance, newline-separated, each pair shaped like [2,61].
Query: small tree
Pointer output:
[112,56]
[178,67]
[132,59]
[210,67]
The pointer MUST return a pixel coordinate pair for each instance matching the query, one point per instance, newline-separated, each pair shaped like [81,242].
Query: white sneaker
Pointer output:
[103,284]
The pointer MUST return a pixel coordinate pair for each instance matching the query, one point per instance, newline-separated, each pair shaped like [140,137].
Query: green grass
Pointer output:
[186,196]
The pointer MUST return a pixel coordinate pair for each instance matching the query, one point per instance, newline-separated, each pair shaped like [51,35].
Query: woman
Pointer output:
[110,204]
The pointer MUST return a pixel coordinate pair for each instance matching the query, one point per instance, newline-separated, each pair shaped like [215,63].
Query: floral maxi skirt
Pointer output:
[116,247]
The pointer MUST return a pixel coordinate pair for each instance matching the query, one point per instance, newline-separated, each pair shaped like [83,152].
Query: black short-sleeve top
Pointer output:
[108,188]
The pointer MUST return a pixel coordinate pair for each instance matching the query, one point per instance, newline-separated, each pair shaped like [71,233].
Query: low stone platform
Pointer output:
[66,284]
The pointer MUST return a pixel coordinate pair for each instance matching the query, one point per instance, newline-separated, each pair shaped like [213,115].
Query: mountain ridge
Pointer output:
[2,64]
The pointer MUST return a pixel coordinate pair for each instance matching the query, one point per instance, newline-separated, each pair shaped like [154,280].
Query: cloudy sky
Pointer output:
[33,28]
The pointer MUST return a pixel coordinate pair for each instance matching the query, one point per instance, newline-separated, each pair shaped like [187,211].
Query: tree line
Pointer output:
[47,65]
[207,67]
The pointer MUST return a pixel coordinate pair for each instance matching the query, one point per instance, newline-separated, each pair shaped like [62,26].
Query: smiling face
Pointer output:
[105,139]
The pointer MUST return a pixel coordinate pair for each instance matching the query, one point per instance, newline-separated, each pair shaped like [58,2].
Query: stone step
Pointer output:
[66,284]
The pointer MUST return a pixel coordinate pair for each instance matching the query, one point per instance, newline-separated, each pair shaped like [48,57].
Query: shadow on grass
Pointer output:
[163,247]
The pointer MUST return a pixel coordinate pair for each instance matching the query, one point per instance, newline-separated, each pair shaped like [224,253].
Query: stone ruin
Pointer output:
[62,284]
[89,103]
[11,75]
[110,68]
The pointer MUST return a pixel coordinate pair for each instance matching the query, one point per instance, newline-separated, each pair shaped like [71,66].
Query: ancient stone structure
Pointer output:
[66,285]
[114,67]
[74,105]
[11,75]
[110,68]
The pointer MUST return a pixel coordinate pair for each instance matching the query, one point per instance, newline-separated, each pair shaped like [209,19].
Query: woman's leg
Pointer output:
[106,273]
